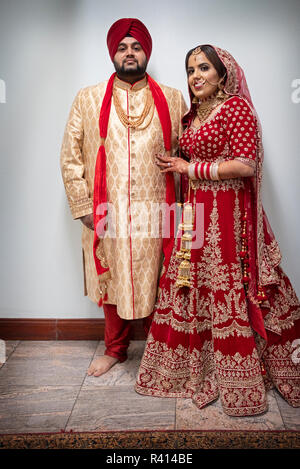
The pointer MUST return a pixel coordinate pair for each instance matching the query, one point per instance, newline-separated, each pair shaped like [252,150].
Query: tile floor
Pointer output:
[44,388]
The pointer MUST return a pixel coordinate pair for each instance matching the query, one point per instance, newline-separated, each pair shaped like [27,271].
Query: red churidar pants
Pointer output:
[118,332]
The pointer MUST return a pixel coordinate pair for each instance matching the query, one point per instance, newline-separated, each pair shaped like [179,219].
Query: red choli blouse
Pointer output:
[229,134]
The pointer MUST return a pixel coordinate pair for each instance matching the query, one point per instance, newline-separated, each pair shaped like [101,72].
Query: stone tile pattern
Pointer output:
[44,388]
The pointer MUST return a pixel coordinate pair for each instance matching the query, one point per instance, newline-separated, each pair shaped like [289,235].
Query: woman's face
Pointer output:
[203,78]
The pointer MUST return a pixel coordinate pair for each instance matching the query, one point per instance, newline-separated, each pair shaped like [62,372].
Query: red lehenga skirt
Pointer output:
[201,344]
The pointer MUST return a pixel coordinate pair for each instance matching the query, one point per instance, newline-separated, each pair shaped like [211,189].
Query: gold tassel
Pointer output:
[184,274]
[184,270]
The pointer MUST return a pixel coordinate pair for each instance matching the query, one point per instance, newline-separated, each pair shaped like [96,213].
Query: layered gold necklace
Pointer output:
[206,107]
[135,122]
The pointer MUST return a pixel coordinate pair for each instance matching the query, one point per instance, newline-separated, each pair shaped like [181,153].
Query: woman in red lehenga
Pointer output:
[227,318]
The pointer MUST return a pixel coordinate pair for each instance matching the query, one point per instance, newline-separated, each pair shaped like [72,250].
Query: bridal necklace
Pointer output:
[206,107]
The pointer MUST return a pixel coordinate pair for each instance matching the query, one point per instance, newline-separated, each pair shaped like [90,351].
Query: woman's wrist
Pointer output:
[191,171]
[207,171]
[214,170]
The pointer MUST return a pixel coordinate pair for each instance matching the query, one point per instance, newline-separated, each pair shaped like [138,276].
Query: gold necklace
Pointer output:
[206,107]
[135,121]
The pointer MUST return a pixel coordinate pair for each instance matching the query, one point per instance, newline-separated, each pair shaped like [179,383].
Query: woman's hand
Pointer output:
[172,163]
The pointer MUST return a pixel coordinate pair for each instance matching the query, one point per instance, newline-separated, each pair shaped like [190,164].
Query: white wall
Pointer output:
[49,49]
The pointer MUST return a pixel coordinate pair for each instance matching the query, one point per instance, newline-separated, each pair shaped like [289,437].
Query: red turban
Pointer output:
[125,27]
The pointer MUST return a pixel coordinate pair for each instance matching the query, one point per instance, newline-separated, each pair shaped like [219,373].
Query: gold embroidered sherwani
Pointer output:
[135,188]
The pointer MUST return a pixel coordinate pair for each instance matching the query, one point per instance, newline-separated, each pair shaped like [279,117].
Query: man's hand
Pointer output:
[88,221]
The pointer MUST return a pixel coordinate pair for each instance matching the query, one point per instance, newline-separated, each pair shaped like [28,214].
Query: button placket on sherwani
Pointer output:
[134,184]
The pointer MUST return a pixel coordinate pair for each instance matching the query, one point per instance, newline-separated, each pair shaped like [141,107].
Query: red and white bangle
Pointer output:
[204,171]
[191,170]
[214,172]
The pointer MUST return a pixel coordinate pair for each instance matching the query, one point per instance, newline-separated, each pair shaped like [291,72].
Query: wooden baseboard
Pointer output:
[60,329]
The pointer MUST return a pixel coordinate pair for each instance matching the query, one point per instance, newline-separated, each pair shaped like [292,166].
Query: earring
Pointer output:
[195,100]
[220,94]
[221,85]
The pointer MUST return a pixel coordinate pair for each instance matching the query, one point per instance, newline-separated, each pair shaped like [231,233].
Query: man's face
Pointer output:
[130,59]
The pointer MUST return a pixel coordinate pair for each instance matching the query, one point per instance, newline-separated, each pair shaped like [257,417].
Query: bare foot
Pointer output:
[101,365]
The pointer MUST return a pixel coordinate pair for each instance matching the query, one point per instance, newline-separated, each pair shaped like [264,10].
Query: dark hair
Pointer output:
[213,57]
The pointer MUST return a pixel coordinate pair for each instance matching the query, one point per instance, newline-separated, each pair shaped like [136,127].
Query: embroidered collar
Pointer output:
[138,85]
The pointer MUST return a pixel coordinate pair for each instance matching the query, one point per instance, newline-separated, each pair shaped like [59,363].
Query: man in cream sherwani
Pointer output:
[134,184]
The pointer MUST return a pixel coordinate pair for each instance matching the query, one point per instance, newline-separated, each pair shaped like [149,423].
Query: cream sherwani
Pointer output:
[135,190]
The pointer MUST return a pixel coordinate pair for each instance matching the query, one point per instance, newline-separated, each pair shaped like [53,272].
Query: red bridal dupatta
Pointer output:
[100,185]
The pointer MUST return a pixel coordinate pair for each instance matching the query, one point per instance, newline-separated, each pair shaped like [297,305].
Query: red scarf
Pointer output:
[100,184]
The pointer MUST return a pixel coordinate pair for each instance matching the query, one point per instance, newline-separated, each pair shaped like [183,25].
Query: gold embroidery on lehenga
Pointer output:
[223,311]
[180,316]
[296,314]
[183,326]
[234,329]
[211,272]
[284,309]
[237,225]
[274,252]
[202,375]
[212,275]
[236,276]
[267,276]
[240,383]
[283,372]
[174,373]
[223,185]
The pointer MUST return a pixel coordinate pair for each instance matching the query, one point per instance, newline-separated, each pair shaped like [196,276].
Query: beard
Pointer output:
[137,71]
